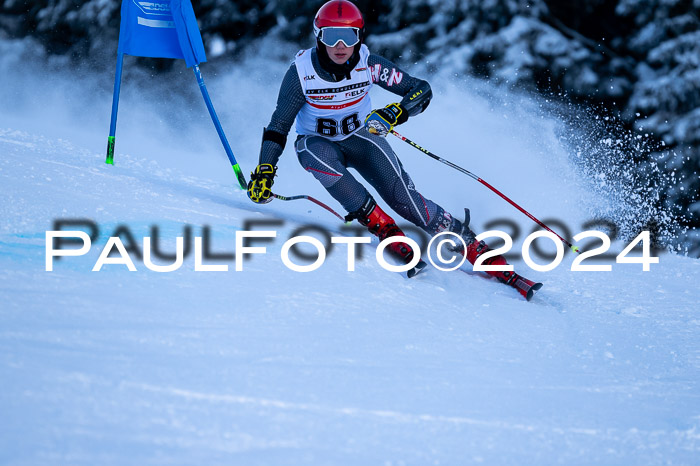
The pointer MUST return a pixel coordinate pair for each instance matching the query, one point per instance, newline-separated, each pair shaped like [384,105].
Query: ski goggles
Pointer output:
[331,36]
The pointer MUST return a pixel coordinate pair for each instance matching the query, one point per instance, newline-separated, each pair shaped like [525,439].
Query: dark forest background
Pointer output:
[637,61]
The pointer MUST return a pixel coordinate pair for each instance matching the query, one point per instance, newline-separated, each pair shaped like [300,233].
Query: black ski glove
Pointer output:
[260,184]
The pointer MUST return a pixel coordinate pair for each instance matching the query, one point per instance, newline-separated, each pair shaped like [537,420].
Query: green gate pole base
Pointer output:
[241,178]
[110,151]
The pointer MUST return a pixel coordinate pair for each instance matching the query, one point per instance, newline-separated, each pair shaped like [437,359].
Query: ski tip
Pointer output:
[532,290]
[417,269]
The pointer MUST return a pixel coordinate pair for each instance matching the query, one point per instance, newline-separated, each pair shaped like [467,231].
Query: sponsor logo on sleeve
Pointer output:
[375,72]
[395,78]
[390,76]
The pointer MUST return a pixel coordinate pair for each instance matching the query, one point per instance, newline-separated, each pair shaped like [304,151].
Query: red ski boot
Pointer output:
[475,248]
[379,223]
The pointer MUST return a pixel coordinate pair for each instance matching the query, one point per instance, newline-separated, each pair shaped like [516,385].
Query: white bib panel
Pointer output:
[333,110]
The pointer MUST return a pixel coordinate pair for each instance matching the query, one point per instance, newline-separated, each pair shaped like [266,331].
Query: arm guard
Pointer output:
[417,99]
[416,92]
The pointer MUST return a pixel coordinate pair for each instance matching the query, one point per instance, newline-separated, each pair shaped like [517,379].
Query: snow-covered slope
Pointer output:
[270,366]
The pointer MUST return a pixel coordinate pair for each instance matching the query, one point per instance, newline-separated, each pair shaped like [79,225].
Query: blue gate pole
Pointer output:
[222,136]
[115,107]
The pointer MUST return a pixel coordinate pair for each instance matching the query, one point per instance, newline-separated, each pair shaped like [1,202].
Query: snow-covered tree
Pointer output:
[639,59]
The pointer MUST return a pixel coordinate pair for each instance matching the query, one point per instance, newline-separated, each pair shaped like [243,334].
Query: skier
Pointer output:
[326,90]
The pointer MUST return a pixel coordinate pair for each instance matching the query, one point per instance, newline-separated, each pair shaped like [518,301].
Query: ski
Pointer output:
[420,266]
[527,288]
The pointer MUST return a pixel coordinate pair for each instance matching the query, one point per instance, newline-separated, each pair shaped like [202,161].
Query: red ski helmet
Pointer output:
[339,20]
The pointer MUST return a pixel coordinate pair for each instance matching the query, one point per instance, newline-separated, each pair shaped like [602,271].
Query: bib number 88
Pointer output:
[330,127]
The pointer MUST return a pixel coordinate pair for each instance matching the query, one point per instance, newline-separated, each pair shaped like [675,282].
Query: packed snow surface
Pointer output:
[271,366]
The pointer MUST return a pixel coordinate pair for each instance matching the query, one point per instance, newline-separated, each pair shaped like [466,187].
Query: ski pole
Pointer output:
[308,198]
[472,175]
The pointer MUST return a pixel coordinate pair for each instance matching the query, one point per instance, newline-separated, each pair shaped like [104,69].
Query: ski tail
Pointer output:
[527,288]
[420,266]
